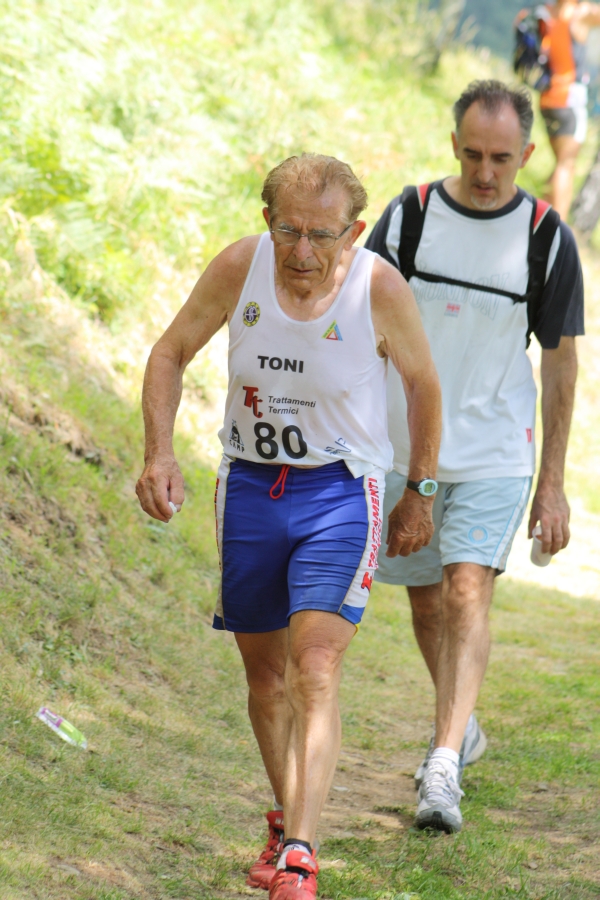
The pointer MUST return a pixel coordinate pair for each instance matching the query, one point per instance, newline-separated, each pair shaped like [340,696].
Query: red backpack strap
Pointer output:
[423,192]
[541,208]
[542,230]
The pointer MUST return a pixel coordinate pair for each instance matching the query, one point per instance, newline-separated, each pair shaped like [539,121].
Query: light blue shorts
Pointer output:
[475,521]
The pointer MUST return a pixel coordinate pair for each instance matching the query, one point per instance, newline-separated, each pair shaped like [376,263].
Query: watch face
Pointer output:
[428,487]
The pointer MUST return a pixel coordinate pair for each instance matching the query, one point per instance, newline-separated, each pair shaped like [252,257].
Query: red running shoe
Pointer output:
[262,871]
[298,881]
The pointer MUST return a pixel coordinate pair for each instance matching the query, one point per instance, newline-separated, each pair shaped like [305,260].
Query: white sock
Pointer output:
[277,805]
[449,757]
[286,850]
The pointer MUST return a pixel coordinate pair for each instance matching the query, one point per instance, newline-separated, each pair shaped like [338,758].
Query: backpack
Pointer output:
[542,229]
[530,61]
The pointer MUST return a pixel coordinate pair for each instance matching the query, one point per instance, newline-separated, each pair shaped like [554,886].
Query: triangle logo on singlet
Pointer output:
[333,333]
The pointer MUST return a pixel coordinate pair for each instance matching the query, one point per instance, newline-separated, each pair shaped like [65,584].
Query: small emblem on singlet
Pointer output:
[333,333]
[235,438]
[251,314]
[341,447]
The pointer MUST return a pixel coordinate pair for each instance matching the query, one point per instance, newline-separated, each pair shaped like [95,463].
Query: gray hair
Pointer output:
[493,95]
[314,173]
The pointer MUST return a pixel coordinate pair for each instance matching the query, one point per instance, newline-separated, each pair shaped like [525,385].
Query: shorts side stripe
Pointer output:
[220,497]
[360,587]
[503,549]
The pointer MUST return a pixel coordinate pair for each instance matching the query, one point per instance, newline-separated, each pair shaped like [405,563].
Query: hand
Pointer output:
[160,482]
[410,525]
[551,510]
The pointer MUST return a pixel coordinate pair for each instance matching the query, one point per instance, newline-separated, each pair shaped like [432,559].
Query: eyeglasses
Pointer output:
[320,240]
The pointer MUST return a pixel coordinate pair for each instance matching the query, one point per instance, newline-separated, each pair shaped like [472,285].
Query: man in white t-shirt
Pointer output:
[488,265]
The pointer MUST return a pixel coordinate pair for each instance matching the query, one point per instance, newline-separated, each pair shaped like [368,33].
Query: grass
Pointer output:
[106,618]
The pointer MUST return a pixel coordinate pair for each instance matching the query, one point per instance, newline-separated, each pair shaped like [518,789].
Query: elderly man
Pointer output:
[312,322]
[488,264]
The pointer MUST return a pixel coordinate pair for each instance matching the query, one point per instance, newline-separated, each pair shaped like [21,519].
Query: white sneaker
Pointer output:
[474,743]
[472,748]
[439,799]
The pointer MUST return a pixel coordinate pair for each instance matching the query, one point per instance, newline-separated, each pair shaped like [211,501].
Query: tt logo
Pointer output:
[252,400]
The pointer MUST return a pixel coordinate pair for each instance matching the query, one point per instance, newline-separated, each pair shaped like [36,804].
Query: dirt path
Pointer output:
[370,789]
[365,789]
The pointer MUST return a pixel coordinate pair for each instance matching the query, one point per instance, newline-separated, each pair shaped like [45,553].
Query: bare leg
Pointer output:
[265,657]
[428,623]
[464,650]
[566,150]
[318,641]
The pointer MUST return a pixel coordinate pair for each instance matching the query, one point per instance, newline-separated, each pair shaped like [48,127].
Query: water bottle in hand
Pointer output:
[537,557]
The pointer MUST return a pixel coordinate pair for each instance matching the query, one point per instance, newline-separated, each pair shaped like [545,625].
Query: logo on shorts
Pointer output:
[377,524]
[367,581]
[235,438]
[478,535]
[251,314]
[333,333]
[529,433]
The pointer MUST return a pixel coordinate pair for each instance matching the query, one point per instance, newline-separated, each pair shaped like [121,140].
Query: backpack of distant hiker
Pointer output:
[530,61]
[542,229]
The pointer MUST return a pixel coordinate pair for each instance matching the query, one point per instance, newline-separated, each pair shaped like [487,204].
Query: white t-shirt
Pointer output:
[478,339]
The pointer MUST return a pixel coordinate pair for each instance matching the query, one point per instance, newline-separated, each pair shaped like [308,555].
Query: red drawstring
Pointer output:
[280,483]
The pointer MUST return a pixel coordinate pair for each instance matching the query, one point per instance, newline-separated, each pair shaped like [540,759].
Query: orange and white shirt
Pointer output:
[566,58]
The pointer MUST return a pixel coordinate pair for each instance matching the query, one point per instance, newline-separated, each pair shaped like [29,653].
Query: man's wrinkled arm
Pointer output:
[402,338]
[550,507]
[206,310]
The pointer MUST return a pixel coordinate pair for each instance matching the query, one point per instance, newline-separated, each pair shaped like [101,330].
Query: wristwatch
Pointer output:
[426,487]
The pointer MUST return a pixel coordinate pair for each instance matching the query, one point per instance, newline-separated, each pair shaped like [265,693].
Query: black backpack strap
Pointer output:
[415,201]
[542,230]
[471,285]
[377,241]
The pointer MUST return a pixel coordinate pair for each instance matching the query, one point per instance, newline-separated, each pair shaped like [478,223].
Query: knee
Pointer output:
[465,597]
[425,605]
[567,163]
[312,674]
[266,681]
[425,615]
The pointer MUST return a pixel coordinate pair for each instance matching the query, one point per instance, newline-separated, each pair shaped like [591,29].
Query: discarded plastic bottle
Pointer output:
[63,729]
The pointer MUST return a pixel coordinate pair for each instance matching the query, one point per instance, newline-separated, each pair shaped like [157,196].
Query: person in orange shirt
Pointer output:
[565,31]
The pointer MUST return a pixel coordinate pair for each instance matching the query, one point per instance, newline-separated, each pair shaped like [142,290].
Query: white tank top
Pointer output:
[306,393]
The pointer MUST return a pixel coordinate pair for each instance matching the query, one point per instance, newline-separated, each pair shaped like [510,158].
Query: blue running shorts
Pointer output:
[294,538]
[475,521]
